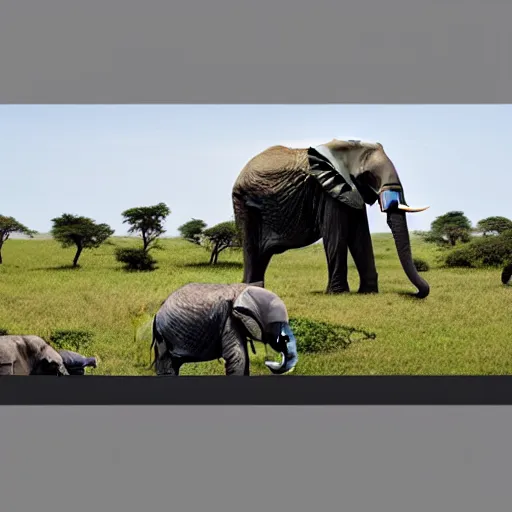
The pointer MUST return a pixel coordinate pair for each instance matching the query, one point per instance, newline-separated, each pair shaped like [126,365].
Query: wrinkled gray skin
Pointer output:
[203,322]
[281,202]
[31,355]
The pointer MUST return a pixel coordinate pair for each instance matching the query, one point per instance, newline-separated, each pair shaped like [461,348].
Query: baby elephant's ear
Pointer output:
[246,310]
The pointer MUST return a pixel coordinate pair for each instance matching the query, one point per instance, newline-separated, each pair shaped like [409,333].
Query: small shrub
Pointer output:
[313,336]
[70,340]
[459,258]
[489,251]
[421,265]
[3,332]
[135,259]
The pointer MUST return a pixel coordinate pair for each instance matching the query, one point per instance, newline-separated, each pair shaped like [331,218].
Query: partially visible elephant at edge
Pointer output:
[506,275]
[202,322]
[286,198]
[31,355]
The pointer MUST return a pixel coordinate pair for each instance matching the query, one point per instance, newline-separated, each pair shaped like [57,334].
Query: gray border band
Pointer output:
[190,459]
[288,390]
[285,51]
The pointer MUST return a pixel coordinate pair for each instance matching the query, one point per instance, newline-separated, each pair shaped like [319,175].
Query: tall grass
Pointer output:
[463,327]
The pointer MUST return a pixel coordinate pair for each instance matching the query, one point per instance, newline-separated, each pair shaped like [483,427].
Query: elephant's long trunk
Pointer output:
[289,357]
[398,225]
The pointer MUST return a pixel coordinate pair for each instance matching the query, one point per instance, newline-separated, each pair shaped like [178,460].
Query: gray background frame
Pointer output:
[270,51]
[285,458]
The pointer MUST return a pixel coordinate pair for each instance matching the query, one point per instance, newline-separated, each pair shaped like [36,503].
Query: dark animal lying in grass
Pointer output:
[76,363]
[31,355]
[204,322]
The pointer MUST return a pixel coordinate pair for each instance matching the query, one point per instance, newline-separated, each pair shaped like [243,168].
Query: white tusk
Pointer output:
[409,209]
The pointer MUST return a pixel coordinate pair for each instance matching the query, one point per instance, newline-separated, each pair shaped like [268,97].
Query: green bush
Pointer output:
[4,332]
[459,258]
[421,265]
[489,251]
[313,336]
[135,259]
[70,340]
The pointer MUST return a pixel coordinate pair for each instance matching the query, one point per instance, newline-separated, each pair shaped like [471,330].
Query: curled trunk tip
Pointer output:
[398,225]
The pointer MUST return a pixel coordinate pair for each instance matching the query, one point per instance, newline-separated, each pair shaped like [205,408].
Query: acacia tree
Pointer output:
[82,232]
[8,226]
[493,225]
[148,221]
[193,230]
[220,237]
[449,228]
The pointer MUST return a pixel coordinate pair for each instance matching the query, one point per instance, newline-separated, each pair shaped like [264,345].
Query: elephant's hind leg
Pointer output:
[168,366]
[234,350]
[175,368]
[165,363]
[256,257]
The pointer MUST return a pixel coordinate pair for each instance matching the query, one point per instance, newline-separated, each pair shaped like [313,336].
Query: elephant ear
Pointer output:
[333,176]
[245,310]
[257,307]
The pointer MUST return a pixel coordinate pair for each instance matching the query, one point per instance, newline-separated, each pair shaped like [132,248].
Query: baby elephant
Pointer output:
[203,322]
[31,355]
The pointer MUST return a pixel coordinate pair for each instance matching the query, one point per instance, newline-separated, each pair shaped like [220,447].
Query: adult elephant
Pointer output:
[31,355]
[203,322]
[288,198]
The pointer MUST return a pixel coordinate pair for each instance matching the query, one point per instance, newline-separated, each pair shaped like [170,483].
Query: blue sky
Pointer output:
[99,160]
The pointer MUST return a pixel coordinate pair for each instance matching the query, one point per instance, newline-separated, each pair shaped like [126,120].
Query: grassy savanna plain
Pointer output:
[463,327]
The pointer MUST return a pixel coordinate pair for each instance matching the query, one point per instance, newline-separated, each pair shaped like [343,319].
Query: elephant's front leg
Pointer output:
[361,249]
[334,234]
[234,350]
